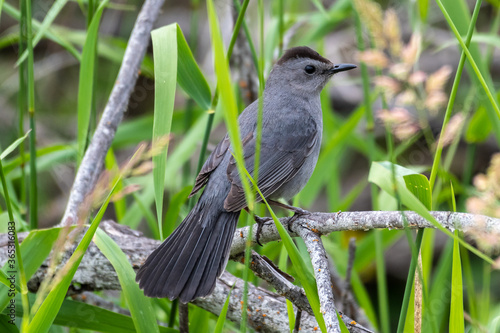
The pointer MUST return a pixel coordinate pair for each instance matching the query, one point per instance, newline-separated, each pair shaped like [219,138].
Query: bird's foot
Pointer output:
[299,212]
[260,222]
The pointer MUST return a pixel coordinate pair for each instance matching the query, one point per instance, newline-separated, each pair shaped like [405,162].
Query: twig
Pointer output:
[320,264]
[92,162]
[298,316]
[183,318]
[350,265]
[283,286]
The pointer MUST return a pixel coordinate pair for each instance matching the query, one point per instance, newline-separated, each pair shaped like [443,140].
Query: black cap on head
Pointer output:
[302,52]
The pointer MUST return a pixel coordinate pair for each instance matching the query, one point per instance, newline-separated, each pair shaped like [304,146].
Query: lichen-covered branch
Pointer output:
[326,223]
[96,273]
[92,162]
[321,272]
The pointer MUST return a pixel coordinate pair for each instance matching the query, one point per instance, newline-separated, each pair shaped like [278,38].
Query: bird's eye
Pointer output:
[310,69]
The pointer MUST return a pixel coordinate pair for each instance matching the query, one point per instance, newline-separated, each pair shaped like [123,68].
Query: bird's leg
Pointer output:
[260,222]
[297,210]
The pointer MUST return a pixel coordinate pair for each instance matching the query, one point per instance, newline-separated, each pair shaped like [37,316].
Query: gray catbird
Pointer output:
[188,262]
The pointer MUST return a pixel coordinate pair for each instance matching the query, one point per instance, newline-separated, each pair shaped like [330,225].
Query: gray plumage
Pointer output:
[187,264]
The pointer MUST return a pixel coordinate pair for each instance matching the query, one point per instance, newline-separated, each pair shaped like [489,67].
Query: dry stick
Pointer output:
[350,265]
[282,283]
[321,272]
[325,223]
[92,162]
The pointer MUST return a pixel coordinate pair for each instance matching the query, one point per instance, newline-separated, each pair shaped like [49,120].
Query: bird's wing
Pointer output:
[210,165]
[283,152]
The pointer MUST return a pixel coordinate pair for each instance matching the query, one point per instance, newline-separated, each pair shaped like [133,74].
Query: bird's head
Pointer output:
[303,70]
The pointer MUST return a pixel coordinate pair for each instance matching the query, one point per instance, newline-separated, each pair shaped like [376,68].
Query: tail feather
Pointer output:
[187,264]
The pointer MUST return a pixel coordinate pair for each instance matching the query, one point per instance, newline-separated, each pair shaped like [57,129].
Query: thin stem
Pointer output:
[451,101]
[31,111]
[21,102]
[409,282]
[215,99]
[470,58]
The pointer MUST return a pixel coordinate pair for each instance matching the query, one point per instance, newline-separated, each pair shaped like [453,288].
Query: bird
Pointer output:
[186,265]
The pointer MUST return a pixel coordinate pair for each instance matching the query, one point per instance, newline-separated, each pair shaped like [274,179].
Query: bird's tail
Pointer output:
[189,261]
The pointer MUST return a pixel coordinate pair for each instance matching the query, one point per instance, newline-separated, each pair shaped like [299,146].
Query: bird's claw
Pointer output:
[260,222]
[299,212]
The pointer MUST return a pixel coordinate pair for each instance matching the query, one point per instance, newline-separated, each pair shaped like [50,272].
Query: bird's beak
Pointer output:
[341,67]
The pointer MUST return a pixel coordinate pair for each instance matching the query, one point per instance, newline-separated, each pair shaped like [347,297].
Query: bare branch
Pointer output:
[96,273]
[327,223]
[320,264]
[92,162]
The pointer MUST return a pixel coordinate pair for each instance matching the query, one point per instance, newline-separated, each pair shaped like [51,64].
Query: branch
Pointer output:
[96,273]
[323,280]
[92,162]
[326,223]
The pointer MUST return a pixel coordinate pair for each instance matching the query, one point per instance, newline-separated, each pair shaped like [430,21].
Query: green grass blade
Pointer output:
[380,174]
[84,316]
[451,101]
[457,297]
[183,152]
[165,57]
[140,307]
[86,82]
[34,250]
[174,207]
[222,316]
[189,75]
[13,146]
[457,301]
[47,312]
[304,271]
[50,34]
[228,99]
[471,59]
[42,29]
[480,127]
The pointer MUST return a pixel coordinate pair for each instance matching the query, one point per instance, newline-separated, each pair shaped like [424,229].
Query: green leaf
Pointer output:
[86,81]
[13,146]
[183,152]
[423,9]
[343,327]
[165,57]
[34,250]
[479,127]
[47,312]
[418,184]
[140,307]
[457,300]
[174,207]
[223,313]
[190,77]
[89,317]
[380,174]
[5,326]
